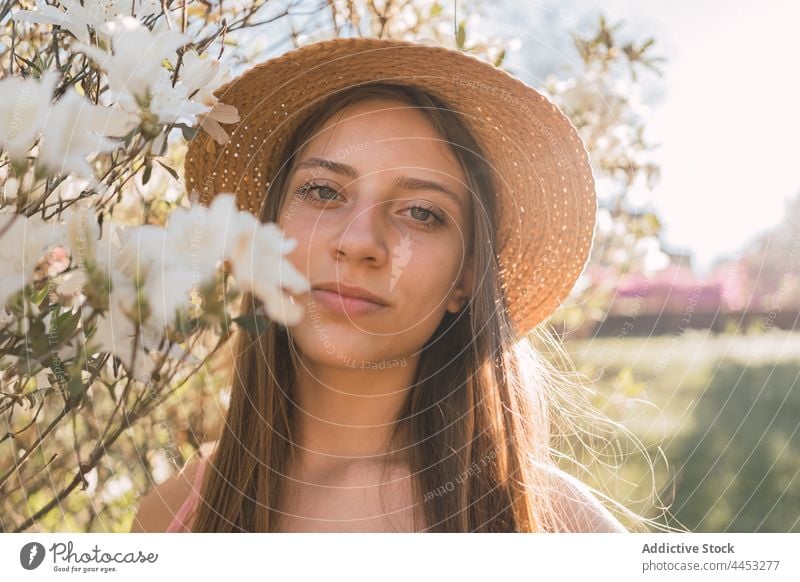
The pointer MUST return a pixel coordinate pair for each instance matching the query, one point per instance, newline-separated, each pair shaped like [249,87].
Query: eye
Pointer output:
[326,194]
[426,212]
[304,189]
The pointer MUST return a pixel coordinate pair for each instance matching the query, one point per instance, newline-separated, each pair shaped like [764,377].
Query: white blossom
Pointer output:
[115,329]
[68,136]
[171,103]
[151,271]
[196,238]
[77,18]
[144,255]
[71,283]
[10,189]
[205,75]
[26,240]
[71,188]
[24,105]
[256,252]
[200,237]
[136,57]
[83,231]
[220,113]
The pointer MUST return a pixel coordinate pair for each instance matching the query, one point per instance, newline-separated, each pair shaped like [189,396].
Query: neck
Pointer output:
[346,414]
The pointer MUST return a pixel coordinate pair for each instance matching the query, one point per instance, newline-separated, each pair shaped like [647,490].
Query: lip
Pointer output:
[347,300]
[350,291]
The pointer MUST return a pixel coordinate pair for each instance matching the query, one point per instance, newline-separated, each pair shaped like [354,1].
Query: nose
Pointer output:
[362,236]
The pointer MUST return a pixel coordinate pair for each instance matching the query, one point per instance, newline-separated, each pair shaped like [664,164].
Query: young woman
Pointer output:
[438,222]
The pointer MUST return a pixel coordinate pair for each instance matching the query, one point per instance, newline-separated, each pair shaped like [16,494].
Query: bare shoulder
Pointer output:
[160,504]
[581,511]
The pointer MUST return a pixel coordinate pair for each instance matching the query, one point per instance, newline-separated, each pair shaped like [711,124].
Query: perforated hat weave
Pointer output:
[543,180]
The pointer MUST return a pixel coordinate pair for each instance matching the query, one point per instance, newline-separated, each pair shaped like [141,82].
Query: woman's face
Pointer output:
[391,215]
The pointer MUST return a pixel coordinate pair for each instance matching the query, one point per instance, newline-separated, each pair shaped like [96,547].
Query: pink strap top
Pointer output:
[183,518]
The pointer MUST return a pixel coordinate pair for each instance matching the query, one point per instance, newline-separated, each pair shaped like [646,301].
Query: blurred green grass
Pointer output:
[720,417]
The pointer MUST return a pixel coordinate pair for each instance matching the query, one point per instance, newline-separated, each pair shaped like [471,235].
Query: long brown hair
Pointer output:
[477,418]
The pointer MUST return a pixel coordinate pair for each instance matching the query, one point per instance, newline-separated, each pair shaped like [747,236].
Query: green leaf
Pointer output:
[253,323]
[38,295]
[499,60]
[76,388]
[37,339]
[66,324]
[20,167]
[148,170]
[41,64]
[188,133]
[129,136]
[461,35]
[171,171]
[31,64]
[186,325]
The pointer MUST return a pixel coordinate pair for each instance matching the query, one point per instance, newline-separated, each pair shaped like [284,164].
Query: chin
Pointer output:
[338,344]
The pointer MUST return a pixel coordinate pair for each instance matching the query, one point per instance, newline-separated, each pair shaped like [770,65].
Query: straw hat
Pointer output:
[547,205]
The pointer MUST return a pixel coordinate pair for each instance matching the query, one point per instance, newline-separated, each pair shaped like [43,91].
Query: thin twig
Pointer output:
[36,444]
[39,470]
[10,434]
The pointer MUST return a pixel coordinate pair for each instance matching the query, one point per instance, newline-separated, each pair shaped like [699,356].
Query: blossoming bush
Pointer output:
[104,315]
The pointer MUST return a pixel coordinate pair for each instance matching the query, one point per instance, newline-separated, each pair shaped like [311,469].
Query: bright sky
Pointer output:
[725,114]
[728,118]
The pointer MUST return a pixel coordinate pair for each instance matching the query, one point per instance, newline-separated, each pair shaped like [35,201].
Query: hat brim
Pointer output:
[545,187]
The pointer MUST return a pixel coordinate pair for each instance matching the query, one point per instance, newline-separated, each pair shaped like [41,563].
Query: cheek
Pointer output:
[426,281]
[297,222]
[296,226]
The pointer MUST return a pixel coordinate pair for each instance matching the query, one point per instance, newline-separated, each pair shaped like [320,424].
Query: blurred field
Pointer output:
[725,411]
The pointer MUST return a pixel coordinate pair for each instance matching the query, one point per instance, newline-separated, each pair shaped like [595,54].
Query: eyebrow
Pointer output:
[405,182]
